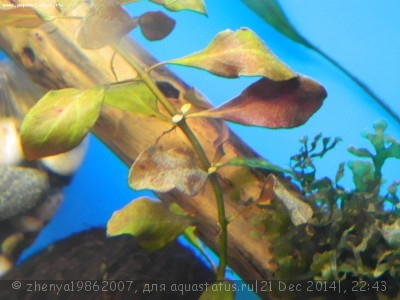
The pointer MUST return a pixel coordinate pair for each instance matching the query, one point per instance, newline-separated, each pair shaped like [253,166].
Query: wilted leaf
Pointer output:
[176,5]
[233,54]
[219,291]
[223,136]
[105,23]
[162,170]
[132,97]
[255,163]
[272,104]
[155,25]
[153,224]
[21,189]
[19,17]
[299,211]
[60,120]
[391,234]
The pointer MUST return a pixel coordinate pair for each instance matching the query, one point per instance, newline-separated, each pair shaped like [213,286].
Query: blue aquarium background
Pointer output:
[363,36]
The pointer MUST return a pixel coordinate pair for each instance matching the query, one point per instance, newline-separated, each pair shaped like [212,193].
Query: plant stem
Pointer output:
[223,238]
[223,223]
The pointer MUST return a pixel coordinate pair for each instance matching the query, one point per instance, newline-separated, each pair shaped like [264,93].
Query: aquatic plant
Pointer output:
[352,234]
[186,154]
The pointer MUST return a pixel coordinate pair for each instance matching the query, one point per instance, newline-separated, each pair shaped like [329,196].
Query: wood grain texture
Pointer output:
[54,60]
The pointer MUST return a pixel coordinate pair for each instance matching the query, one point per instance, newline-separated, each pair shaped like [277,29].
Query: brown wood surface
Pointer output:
[54,60]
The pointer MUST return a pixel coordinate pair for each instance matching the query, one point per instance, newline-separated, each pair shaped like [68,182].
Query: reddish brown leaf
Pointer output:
[223,136]
[272,104]
[156,25]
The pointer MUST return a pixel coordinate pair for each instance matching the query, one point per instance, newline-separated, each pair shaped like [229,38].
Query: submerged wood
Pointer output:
[54,60]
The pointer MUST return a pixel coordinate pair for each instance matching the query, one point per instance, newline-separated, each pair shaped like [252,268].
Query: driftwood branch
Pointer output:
[54,60]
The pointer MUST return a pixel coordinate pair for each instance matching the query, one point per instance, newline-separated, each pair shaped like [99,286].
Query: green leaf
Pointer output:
[394,148]
[363,174]
[176,5]
[190,235]
[255,163]
[60,120]
[105,23]
[19,17]
[219,291]
[155,25]
[132,97]
[271,12]
[151,222]
[237,53]
[272,104]
[66,6]
[162,170]
[362,152]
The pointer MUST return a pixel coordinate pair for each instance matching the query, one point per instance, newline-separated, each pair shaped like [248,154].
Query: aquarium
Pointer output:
[306,193]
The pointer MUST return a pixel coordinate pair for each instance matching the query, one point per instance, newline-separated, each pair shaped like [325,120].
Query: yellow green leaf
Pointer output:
[255,163]
[150,221]
[162,170]
[60,120]
[176,5]
[132,97]
[19,17]
[237,53]
[67,6]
